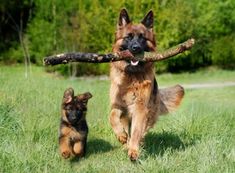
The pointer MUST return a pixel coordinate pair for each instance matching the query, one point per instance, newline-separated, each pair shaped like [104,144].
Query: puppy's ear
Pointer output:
[148,20]
[68,96]
[84,97]
[123,18]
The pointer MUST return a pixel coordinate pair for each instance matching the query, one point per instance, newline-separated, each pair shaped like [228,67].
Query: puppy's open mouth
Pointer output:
[134,63]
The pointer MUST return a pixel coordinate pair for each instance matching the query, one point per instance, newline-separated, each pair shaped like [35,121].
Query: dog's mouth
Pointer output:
[134,62]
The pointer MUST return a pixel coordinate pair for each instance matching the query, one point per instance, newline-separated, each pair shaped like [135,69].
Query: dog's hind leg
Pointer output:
[119,124]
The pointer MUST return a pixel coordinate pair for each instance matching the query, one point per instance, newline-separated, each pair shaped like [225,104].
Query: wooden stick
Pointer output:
[86,57]
[154,56]
[123,55]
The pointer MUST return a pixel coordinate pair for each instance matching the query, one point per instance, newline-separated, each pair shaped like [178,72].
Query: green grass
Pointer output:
[211,75]
[199,137]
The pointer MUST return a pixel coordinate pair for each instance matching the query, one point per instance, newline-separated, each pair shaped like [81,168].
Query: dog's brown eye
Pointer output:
[141,35]
[130,35]
[121,48]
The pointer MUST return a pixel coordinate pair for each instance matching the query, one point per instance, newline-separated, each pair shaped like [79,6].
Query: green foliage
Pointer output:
[219,52]
[88,26]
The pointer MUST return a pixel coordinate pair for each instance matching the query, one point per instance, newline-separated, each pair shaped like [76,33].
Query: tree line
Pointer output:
[33,29]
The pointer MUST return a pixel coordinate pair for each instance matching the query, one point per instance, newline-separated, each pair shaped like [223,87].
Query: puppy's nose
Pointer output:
[79,113]
[136,48]
[72,117]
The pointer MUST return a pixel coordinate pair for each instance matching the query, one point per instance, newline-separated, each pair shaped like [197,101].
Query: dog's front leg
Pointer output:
[79,148]
[138,126]
[117,125]
[65,148]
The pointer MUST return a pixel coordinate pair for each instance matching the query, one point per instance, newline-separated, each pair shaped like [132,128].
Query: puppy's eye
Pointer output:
[68,108]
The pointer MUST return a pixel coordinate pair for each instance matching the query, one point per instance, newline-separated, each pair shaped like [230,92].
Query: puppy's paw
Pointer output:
[78,149]
[66,154]
[133,154]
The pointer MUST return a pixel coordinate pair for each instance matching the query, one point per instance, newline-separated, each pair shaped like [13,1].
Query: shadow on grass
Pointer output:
[157,144]
[95,146]
[98,146]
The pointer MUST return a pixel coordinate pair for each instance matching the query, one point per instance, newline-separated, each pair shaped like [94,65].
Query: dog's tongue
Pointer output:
[134,63]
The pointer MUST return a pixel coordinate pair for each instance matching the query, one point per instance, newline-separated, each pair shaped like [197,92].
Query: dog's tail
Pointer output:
[170,98]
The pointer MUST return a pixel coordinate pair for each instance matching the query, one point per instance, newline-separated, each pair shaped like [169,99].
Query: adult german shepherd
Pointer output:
[136,101]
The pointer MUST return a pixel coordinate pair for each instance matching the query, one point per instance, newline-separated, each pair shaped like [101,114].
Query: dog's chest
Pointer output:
[137,92]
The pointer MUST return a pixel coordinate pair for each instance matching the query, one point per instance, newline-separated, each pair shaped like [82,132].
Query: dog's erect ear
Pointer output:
[84,97]
[123,18]
[68,95]
[148,20]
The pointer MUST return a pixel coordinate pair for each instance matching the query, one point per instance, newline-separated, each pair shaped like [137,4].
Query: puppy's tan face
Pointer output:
[74,107]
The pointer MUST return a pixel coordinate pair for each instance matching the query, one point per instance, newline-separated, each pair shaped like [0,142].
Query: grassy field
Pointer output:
[199,137]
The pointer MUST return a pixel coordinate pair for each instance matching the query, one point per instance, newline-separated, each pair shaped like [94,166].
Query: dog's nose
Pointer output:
[136,48]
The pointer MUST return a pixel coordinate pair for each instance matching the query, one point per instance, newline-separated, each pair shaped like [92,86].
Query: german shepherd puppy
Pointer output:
[73,125]
[136,101]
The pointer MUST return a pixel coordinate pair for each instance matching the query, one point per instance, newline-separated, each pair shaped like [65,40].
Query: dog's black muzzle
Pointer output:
[74,116]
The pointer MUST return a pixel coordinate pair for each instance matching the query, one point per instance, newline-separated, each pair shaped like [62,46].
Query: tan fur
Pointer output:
[136,101]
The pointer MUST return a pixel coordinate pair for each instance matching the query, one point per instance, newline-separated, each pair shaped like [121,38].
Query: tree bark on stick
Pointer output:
[123,55]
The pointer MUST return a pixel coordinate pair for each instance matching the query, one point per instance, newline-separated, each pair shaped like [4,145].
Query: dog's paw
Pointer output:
[65,154]
[133,154]
[78,149]
[122,138]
